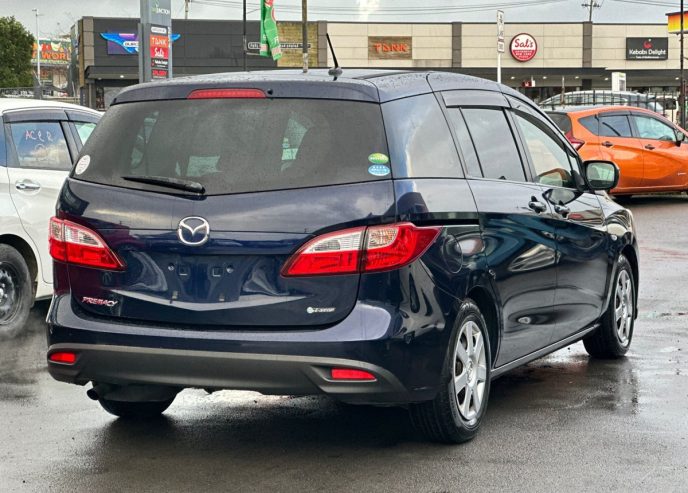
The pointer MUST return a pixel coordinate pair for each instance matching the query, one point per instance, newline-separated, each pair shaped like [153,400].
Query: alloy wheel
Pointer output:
[10,293]
[470,371]
[623,307]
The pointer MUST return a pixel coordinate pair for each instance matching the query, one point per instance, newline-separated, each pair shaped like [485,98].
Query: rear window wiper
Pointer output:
[166,181]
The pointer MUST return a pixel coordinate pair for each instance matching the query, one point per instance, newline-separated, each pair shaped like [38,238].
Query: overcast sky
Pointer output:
[58,15]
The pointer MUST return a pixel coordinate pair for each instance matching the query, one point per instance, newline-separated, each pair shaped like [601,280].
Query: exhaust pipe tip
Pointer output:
[92,394]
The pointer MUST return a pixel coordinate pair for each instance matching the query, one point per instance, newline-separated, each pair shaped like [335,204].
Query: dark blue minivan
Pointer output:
[381,237]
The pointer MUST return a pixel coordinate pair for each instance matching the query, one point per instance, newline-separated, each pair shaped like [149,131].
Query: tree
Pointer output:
[16,47]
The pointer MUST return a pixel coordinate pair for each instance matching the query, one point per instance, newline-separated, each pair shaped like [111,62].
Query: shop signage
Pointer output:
[286,45]
[155,51]
[126,43]
[523,47]
[647,48]
[390,47]
[53,52]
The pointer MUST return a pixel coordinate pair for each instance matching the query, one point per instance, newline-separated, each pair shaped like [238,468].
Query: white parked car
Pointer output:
[39,142]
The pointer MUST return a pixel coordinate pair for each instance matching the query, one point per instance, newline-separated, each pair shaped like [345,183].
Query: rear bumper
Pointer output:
[370,338]
[266,373]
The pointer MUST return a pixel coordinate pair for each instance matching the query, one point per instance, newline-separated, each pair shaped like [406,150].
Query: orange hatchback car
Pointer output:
[651,152]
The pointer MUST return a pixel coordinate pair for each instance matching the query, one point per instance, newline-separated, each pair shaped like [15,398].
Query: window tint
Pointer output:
[548,156]
[41,145]
[614,126]
[465,142]
[650,128]
[419,140]
[562,121]
[591,123]
[239,145]
[494,144]
[84,130]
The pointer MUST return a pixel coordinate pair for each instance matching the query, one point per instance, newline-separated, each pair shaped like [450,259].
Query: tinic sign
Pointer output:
[523,47]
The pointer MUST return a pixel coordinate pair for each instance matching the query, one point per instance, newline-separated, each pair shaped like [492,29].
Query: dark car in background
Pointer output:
[380,237]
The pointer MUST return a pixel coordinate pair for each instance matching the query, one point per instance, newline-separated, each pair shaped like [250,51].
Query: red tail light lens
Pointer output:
[75,244]
[226,94]
[362,249]
[351,374]
[63,357]
[390,247]
[576,143]
[333,253]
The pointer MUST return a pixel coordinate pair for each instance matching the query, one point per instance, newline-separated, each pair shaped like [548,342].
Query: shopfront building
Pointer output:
[541,59]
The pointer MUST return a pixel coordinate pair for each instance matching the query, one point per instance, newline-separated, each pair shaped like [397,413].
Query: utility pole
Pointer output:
[682,93]
[244,36]
[592,4]
[38,52]
[304,33]
[186,9]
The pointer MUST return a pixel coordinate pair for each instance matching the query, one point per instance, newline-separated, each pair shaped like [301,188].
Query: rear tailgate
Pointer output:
[275,172]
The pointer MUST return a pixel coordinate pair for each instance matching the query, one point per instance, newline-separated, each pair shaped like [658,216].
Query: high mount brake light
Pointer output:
[226,94]
[76,244]
[357,250]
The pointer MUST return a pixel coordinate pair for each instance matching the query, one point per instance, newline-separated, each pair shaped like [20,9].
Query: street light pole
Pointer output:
[38,51]
[682,93]
[304,33]
[244,37]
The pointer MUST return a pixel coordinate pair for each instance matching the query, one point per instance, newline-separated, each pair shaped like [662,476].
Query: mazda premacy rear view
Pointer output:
[380,237]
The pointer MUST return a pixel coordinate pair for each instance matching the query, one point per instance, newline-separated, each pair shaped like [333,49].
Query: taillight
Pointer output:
[372,249]
[75,244]
[226,94]
[576,143]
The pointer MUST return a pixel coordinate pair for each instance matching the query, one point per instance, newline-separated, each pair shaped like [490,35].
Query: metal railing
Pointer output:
[48,93]
[664,103]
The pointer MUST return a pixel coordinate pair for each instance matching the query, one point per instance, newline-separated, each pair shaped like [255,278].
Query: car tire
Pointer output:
[135,409]
[450,418]
[16,292]
[613,337]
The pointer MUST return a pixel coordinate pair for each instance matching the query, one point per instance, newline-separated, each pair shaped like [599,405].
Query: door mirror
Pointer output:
[601,175]
[680,137]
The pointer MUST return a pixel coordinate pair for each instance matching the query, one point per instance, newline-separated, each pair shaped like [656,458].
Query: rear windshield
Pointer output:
[238,145]
[562,120]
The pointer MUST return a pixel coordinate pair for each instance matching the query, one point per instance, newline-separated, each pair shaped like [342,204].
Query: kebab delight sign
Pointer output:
[523,47]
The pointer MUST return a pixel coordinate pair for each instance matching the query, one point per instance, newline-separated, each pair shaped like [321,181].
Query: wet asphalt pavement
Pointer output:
[564,422]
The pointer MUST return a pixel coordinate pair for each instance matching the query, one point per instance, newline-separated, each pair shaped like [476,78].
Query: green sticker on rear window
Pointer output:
[378,158]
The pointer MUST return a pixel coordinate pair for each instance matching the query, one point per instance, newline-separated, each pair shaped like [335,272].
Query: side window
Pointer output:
[548,156]
[651,128]
[420,144]
[494,143]
[614,126]
[465,142]
[591,123]
[84,129]
[3,146]
[41,145]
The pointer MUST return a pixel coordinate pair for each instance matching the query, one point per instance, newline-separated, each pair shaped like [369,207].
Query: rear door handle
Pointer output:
[649,147]
[536,205]
[606,143]
[27,185]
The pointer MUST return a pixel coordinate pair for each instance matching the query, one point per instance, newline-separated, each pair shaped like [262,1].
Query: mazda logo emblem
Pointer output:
[193,231]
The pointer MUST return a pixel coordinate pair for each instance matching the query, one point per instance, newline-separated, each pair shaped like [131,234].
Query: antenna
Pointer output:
[334,71]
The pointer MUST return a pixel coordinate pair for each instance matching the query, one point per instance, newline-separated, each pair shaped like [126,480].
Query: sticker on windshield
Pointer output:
[378,158]
[378,170]
[82,164]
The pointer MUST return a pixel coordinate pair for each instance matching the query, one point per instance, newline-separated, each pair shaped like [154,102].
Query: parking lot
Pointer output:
[563,422]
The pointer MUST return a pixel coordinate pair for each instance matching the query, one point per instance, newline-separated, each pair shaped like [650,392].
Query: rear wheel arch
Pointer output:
[488,307]
[26,251]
